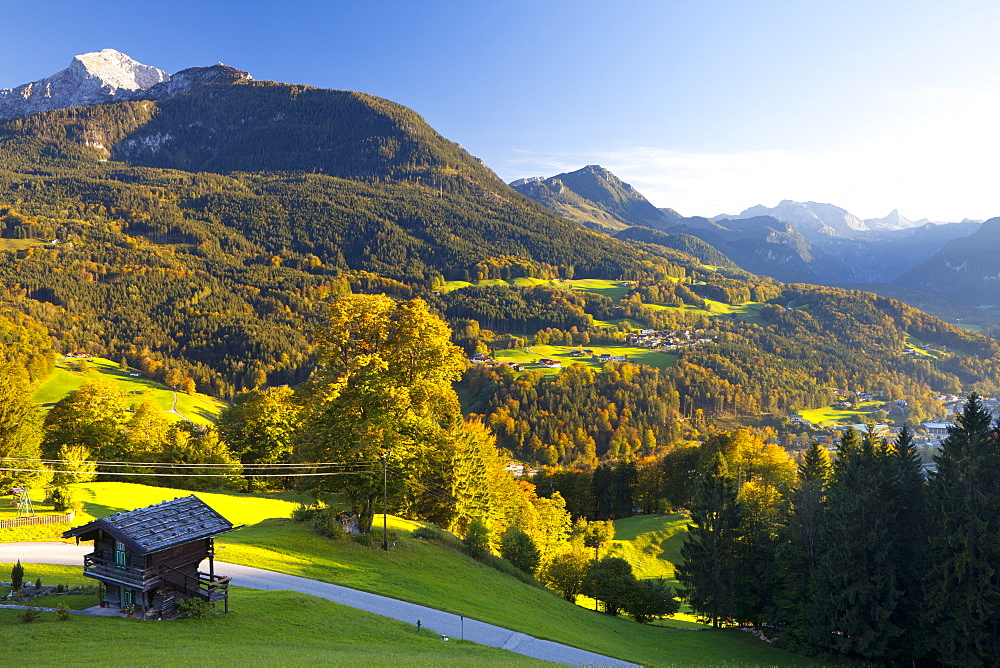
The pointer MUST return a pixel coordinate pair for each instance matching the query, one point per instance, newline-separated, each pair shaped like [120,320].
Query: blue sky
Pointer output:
[706,107]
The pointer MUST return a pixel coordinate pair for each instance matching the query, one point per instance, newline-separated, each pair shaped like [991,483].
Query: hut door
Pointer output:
[121,559]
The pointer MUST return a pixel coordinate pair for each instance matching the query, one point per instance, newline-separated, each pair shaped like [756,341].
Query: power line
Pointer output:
[191,475]
[276,465]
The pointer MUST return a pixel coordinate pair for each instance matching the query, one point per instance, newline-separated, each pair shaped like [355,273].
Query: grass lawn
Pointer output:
[101,499]
[423,573]
[924,349]
[262,628]
[199,408]
[442,578]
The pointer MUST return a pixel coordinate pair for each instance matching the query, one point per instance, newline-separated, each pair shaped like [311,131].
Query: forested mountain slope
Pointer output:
[200,234]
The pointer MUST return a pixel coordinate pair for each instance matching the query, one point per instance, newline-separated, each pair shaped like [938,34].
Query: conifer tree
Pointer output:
[962,585]
[800,551]
[856,589]
[709,573]
[908,499]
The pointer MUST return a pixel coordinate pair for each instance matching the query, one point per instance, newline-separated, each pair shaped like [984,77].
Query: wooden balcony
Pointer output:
[205,586]
[108,571]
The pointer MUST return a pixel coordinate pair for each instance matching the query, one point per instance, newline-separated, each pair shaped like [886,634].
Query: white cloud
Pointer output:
[935,154]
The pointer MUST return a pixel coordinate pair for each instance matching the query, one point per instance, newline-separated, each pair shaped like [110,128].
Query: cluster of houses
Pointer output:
[482,358]
[669,339]
[548,363]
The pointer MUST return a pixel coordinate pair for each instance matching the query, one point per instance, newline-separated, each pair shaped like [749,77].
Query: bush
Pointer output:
[477,539]
[507,568]
[565,574]
[62,498]
[193,608]
[29,615]
[304,513]
[651,599]
[16,577]
[611,581]
[363,539]
[430,532]
[60,588]
[518,548]
[63,612]
[327,525]
[38,583]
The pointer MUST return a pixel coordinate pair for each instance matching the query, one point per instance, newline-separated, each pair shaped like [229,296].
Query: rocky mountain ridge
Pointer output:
[105,76]
[594,197]
[796,242]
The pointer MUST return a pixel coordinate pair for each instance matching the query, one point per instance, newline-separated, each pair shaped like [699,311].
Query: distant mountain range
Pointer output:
[816,220]
[797,242]
[965,270]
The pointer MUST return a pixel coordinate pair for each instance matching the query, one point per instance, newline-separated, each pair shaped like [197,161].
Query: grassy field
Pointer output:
[199,408]
[613,289]
[20,244]
[440,577]
[830,416]
[262,628]
[651,543]
[532,354]
[101,499]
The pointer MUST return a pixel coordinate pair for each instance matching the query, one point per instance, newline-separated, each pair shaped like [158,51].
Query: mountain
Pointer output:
[595,198]
[812,219]
[966,270]
[893,221]
[795,242]
[197,229]
[91,78]
[199,232]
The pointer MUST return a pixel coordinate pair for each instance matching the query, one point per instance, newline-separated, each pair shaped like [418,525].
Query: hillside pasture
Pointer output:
[70,373]
[262,628]
[830,416]
[419,571]
[531,356]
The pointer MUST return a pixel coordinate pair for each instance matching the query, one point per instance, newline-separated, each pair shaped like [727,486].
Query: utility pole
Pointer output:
[385,502]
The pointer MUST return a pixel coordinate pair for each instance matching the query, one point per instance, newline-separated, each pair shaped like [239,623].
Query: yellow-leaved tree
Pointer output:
[382,389]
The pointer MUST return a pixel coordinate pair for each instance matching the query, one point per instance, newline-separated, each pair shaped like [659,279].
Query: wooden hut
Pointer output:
[149,557]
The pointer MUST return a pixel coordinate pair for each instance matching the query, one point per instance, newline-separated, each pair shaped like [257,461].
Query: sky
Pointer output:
[706,107]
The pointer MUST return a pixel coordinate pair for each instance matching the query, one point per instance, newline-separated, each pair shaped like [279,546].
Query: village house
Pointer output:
[149,558]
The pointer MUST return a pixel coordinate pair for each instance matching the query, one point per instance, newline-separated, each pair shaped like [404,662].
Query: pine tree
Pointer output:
[856,590]
[962,585]
[815,465]
[709,573]
[799,554]
[908,499]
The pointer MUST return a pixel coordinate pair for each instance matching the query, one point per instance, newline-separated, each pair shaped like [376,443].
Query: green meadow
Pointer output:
[414,570]
[262,628]
[67,377]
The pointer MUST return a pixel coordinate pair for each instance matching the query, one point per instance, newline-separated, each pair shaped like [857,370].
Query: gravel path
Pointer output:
[442,623]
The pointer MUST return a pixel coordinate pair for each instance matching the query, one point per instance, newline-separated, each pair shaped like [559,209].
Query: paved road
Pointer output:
[443,623]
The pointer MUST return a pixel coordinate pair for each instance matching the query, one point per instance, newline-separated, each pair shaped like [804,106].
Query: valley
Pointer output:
[665,439]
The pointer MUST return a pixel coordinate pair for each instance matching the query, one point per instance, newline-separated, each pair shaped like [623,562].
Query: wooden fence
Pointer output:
[29,521]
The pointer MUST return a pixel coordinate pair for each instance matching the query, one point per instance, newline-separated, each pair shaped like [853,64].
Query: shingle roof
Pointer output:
[160,526]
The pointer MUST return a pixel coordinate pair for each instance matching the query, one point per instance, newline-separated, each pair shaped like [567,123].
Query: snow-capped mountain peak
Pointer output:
[893,221]
[91,78]
[116,70]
